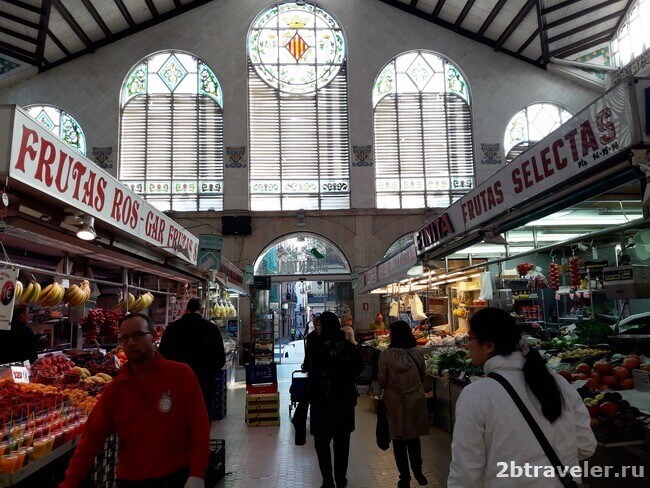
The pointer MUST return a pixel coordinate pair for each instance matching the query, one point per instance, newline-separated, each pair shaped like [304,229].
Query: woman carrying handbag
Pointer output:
[522,414]
[401,372]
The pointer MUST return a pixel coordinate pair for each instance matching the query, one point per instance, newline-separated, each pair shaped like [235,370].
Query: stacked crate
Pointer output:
[262,409]
[262,397]
[103,473]
[218,405]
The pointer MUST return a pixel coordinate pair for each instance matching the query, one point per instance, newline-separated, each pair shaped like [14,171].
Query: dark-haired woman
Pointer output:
[490,429]
[401,372]
[334,363]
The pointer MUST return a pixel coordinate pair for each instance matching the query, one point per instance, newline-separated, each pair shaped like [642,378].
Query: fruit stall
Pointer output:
[80,250]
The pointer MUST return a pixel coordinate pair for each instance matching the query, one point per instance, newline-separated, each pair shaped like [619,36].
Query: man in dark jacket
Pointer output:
[196,342]
[19,343]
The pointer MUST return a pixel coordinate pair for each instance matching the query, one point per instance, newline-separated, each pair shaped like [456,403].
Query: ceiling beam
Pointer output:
[15,55]
[584,27]
[25,5]
[97,18]
[178,4]
[625,10]
[541,22]
[59,44]
[516,22]
[42,31]
[19,20]
[577,15]
[460,31]
[437,9]
[125,13]
[561,5]
[139,27]
[17,50]
[463,14]
[582,44]
[528,41]
[17,35]
[152,8]
[490,18]
[74,25]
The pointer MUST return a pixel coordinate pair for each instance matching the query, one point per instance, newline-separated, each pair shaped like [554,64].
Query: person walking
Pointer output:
[401,373]
[333,365]
[490,428]
[155,407]
[196,342]
[19,343]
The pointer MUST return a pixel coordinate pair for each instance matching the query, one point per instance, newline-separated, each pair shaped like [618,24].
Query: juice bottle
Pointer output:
[49,443]
[40,445]
[3,447]
[8,463]
[20,454]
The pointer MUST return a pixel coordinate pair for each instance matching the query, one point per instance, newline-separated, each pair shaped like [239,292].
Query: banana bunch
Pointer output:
[99,378]
[31,293]
[51,295]
[126,303]
[143,301]
[77,295]
[18,289]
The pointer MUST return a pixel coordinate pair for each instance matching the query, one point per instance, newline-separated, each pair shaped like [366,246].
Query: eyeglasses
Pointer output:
[471,338]
[136,336]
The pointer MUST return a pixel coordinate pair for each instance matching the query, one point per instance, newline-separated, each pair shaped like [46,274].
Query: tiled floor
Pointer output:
[266,457]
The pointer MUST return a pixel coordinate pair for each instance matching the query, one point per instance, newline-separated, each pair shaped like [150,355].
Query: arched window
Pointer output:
[632,38]
[531,125]
[171,133]
[61,123]
[423,132]
[298,110]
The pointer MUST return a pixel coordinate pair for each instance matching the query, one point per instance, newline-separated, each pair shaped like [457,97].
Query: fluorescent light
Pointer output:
[603,220]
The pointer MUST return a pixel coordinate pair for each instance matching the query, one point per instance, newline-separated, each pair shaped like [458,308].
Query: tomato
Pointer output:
[566,375]
[609,380]
[627,384]
[595,376]
[621,373]
[583,368]
[603,367]
[632,361]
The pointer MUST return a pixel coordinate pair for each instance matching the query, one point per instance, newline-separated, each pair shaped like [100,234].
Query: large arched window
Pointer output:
[531,125]
[423,132]
[171,133]
[298,110]
[632,38]
[60,123]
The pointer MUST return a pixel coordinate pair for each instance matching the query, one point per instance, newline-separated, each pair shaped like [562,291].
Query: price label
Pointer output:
[461,375]
[19,374]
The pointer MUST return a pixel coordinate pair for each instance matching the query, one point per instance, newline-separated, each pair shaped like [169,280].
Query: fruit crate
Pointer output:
[217,463]
[262,409]
[103,473]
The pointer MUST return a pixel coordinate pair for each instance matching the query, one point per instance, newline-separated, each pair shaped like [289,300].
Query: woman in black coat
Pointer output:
[333,365]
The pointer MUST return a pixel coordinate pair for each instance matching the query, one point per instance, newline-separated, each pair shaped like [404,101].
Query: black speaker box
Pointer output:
[235,226]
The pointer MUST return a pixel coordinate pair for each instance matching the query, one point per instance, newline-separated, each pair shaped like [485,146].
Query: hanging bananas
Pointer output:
[77,295]
[31,293]
[132,304]
[51,295]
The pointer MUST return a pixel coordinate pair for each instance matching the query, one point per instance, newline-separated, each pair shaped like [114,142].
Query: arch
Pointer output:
[171,132]
[532,124]
[301,253]
[398,244]
[60,123]
[423,132]
[298,109]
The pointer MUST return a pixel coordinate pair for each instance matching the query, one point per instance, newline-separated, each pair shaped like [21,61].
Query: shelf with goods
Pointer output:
[262,323]
[465,300]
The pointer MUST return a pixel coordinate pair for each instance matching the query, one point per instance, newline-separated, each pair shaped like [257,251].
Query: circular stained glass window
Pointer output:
[296,49]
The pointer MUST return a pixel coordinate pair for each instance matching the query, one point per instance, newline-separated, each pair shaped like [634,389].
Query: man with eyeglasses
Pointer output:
[196,342]
[156,408]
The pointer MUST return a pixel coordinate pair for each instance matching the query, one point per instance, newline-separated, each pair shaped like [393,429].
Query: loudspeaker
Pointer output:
[235,226]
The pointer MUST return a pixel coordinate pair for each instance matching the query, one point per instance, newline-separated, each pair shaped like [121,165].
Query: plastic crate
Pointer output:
[261,373]
[217,463]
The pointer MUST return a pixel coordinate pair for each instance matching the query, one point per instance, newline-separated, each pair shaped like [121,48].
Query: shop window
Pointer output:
[60,123]
[298,110]
[531,125]
[423,132]
[171,133]
[631,38]
[301,254]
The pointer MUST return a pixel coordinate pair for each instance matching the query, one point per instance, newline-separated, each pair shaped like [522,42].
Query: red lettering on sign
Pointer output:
[78,170]
[560,163]
[46,157]
[588,138]
[571,137]
[607,127]
[26,148]
[63,159]
[100,199]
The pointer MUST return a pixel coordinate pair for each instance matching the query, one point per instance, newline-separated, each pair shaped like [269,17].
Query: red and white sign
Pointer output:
[366,307]
[578,148]
[42,161]
[234,275]
[19,374]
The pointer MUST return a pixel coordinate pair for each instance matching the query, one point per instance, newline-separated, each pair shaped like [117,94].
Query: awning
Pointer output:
[389,270]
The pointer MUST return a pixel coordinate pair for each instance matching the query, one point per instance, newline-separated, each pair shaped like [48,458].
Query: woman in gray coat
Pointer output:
[401,372]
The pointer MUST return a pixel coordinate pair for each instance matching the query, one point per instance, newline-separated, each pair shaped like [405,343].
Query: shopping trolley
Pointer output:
[298,389]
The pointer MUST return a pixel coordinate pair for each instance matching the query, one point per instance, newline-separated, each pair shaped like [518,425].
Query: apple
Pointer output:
[566,375]
[620,372]
[627,384]
[603,367]
[583,368]
[593,410]
[595,376]
[609,380]
[632,361]
[591,384]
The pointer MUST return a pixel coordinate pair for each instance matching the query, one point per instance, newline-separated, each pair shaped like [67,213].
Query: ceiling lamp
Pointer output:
[416,270]
[87,230]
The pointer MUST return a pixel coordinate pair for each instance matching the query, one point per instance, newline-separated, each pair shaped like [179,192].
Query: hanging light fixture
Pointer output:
[87,230]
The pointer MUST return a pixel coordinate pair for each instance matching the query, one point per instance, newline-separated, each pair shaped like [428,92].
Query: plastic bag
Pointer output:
[394,309]
[486,286]
[417,309]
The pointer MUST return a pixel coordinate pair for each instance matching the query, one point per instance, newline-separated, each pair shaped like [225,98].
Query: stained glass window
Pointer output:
[171,133]
[298,113]
[302,253]
[61,123]
[530,125]
[423,132]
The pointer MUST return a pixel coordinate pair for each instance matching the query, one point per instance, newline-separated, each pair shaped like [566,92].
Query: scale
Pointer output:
[627,281]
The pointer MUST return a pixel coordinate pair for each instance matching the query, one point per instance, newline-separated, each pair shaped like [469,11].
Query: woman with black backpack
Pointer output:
[401,373]
[522,414]
[334,363]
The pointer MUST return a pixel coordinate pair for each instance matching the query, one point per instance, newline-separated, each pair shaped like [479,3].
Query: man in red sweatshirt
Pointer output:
[156,408]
